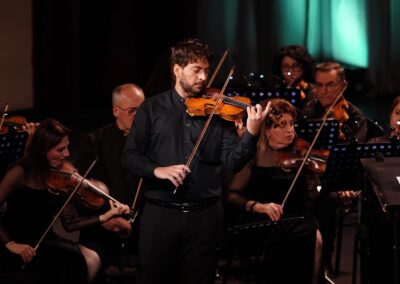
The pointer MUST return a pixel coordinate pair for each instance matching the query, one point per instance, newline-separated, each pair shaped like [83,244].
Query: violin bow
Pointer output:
[3,116]
[217,68]
[203,131]
[324,119]
[135,201]
[62,207]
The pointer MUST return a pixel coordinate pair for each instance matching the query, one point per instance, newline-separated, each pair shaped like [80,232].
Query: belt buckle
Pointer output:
[184,209]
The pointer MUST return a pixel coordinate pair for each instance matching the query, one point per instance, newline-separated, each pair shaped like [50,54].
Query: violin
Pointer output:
[229,108]
[316,161]
[302,86]
[13,123]
[92,193]
[339,111]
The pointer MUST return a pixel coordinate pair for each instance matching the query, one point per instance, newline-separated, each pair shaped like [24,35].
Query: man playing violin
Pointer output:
[106,144]
[179,232]
[328,82]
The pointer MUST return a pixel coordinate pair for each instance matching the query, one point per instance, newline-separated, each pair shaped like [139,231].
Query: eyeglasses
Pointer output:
[131,111]
[296,67]
[330,85]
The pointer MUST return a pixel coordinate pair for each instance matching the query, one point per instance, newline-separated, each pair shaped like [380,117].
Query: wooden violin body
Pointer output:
[13,123]
[229,108]
[65,179]
[292,159]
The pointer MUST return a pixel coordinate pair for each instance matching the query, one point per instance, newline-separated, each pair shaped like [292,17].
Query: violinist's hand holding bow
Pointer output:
[25,251]
[255,117]
[176,173]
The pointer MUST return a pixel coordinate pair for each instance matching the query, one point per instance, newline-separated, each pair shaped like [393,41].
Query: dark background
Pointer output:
[83,49]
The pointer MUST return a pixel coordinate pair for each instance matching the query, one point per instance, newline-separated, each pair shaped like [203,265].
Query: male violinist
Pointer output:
[329,80]
[179,232]
[106,144]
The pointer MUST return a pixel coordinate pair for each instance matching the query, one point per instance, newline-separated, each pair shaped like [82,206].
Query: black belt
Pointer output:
[185,206]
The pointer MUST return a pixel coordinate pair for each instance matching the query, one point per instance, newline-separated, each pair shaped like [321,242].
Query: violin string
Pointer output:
[232,101]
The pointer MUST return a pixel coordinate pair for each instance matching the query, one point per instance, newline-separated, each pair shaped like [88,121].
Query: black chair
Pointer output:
[374,129]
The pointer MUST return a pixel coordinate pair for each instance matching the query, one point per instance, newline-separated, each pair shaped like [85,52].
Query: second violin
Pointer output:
[316,161]
[92,193]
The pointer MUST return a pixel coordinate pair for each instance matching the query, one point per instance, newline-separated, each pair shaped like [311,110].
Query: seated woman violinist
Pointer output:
[30,208]
[394,120]
[260,189]
[294,66]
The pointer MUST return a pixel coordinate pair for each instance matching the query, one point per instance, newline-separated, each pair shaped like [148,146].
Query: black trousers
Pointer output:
[179,247]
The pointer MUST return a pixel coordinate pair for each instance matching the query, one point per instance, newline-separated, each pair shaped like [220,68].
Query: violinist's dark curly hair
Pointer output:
[188,51]
[49,133]
[298,52]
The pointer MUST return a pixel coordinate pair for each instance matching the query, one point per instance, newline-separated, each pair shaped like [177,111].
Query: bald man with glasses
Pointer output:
[106,144]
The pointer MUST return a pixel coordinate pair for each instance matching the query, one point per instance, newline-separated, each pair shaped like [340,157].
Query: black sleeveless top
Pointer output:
[29,212]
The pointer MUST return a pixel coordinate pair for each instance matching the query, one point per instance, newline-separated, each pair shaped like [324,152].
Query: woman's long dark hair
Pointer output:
[49,133]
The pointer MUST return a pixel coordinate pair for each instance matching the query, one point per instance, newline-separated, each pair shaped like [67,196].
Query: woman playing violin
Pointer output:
[30,209]
[394,120]
[264,202]
[294,66]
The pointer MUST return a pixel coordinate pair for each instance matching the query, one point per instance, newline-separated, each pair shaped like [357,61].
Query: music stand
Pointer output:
[307,129]
[384,180]
[12,146]
[250,239]
[344,168]
[259,94]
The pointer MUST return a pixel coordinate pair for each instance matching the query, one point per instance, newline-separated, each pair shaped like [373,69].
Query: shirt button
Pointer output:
[187,124]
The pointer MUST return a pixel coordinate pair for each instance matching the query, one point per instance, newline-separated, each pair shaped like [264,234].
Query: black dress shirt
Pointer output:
[106,144]
[163,134]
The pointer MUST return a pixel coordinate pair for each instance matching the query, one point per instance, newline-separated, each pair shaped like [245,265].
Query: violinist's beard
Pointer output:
[192,90]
